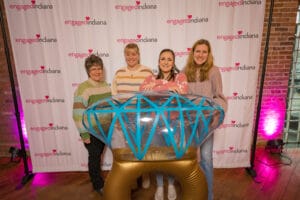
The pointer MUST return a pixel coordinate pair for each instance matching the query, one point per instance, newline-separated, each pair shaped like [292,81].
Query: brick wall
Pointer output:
[279,58]
[9,134]
[275,84]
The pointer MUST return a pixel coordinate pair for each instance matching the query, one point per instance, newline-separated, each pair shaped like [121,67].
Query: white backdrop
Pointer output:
[51,39]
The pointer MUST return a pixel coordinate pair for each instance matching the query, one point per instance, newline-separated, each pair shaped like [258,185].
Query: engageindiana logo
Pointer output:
[188,20]
[239,3]
[139,39]
[33,5]
[41,70]
[81,55]
[237,67]
[36,39]
[240,35]
[86,21]
[136,6]
[54,152]
[50,127]
[46,99]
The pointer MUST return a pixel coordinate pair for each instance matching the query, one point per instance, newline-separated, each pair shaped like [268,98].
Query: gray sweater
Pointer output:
[212,88]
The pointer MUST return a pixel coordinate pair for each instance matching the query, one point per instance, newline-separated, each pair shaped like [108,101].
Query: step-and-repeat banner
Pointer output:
[51,39]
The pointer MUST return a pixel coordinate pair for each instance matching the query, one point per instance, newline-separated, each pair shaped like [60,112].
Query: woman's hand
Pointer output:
[86,141]
[215,120]
[149,87]
[175,89]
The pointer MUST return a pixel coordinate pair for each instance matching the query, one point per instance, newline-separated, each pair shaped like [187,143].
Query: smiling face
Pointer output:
[132,57]
[200,54]
[96,73]
[166,62]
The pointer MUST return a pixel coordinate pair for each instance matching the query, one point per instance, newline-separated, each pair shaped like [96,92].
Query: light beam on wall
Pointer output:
[272,119]
[270,125]
[24,127]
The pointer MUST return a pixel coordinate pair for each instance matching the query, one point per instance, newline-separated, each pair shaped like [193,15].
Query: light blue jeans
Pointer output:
[206,163]
[160,179]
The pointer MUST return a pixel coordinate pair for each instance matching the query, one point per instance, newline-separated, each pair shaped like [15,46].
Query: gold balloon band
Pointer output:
[126,169]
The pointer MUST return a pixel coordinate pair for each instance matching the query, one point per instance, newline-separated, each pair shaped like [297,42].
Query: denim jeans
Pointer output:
[206,163]
[160,180]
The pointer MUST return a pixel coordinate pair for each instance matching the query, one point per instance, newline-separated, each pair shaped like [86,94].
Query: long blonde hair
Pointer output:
[191,67]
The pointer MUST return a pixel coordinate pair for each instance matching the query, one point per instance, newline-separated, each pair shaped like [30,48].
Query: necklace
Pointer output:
[133,70]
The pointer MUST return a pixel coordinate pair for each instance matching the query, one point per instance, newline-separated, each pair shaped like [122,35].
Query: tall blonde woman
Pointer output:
[204,78]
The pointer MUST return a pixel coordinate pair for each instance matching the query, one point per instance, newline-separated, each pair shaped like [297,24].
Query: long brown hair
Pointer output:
[174,70]
[191,67]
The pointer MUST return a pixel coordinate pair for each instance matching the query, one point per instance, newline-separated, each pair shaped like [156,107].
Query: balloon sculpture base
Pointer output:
[126,169]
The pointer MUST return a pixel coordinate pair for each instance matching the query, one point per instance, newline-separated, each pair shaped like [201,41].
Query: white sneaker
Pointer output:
[146,181]
[171,192]
[159,194]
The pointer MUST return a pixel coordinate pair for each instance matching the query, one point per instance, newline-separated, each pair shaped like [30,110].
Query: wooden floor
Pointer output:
[278,178]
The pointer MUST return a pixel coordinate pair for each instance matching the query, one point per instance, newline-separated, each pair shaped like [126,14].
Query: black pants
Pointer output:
[95,149]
